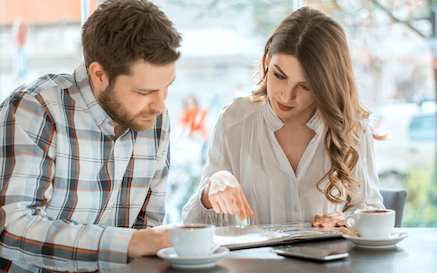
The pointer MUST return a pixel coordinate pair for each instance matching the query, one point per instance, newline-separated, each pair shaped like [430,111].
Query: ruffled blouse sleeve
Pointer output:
[218,160]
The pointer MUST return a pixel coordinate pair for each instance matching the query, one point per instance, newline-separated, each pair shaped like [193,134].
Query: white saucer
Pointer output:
[395,237]
[170,255]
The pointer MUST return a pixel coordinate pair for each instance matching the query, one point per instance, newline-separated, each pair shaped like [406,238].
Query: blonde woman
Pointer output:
[299,148]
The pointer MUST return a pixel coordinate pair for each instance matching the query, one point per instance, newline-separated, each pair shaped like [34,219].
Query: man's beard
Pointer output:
[121,115]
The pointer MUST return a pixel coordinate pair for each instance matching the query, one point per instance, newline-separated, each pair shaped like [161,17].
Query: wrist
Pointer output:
[205,197]
[132,251]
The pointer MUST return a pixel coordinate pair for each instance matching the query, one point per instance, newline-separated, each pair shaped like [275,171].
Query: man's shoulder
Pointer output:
[49,90]
[50,84]
[239,110]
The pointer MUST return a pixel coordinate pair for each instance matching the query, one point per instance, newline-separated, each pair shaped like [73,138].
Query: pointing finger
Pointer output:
[247,206]
[240,208]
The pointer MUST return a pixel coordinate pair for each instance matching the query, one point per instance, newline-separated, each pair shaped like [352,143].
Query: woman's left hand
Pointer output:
[329,220]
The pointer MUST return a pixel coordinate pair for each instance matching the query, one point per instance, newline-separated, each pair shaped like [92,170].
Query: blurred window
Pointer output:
[423,128]
[37,38]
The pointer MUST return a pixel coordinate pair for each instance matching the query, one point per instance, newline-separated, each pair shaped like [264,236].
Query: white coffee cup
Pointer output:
[193,239]
[372,223]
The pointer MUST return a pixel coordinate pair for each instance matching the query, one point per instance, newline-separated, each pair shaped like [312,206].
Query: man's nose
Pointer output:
[158,102]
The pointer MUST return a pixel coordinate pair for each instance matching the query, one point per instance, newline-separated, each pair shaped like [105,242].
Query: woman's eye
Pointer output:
[305,87]
[278,76]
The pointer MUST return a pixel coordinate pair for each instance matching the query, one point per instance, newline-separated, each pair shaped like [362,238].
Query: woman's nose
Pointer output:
[288,95]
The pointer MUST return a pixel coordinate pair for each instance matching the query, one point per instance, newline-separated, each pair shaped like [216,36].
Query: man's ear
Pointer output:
[98,76]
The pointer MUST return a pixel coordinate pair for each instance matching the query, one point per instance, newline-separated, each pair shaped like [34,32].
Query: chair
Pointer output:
[395,199]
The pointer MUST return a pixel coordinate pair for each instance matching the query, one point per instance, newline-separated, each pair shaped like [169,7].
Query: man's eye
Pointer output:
[278,76]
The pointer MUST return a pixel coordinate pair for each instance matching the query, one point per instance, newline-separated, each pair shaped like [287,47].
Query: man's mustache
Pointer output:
[150,113]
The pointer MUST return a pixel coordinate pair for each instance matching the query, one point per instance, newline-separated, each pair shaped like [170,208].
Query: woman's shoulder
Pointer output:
[365,126]
[239,110]
[243,105]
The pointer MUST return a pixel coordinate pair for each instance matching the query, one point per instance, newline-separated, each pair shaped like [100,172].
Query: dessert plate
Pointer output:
[170,255]
[395,237]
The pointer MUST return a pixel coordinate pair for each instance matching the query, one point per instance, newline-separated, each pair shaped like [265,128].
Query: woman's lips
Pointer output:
[283,107]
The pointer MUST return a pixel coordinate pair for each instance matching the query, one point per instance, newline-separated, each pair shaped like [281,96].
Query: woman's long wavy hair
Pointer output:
[320,45]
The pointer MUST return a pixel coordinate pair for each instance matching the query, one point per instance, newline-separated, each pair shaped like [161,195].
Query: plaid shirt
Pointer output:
[71,192]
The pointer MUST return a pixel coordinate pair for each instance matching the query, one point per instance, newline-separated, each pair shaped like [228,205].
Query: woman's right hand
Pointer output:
[225,195]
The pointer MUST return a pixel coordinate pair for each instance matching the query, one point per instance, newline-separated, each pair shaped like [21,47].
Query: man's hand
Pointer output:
[225,195]
[329,220]
[147,242]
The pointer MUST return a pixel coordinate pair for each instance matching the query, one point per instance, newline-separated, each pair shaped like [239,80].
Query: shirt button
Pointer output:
[118,181]
[295,209]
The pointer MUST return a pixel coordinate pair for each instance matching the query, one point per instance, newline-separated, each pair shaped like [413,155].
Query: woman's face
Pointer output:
[287,89]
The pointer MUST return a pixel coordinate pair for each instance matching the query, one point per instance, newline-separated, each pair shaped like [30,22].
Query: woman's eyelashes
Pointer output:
[282,77]
[304,87]
[279,76]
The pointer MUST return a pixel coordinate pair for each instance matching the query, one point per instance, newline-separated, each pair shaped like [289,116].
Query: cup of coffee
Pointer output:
[193,239]
[372,223]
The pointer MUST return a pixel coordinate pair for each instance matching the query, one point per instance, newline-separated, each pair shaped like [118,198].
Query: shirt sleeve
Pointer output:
[29,236]
[218,160]
[368,195]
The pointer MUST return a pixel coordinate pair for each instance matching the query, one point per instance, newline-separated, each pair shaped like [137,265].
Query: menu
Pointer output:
[237,237]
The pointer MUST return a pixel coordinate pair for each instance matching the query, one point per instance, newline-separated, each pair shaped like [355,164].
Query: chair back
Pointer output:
[395,199]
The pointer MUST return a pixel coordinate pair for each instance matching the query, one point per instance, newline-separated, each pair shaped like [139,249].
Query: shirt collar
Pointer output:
[275,123]
[101,118]
[316,122]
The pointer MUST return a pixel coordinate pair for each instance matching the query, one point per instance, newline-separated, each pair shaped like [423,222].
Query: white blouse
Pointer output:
[244,143]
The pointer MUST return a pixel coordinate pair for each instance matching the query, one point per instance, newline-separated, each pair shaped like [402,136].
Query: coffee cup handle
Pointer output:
[214,247]
[347,221]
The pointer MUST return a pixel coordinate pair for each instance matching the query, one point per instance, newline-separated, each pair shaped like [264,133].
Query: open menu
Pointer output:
[237,237]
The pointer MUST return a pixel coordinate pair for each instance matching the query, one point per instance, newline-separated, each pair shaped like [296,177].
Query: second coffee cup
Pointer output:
[377,224]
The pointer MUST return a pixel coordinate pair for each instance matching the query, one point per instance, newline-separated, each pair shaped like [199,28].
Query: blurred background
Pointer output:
[392,43]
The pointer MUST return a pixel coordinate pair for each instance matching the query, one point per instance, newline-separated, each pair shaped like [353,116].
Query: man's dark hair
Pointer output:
[121,32]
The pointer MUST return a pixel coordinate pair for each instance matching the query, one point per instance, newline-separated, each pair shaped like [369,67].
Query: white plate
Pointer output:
[170,255]
[395,237]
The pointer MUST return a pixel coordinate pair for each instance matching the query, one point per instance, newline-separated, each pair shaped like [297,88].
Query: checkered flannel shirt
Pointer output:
[72,194]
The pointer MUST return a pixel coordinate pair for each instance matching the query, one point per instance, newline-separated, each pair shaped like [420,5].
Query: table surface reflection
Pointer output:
[416,253]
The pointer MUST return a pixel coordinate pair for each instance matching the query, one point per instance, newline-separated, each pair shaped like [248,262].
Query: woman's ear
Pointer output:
[98,76]
[267,60]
